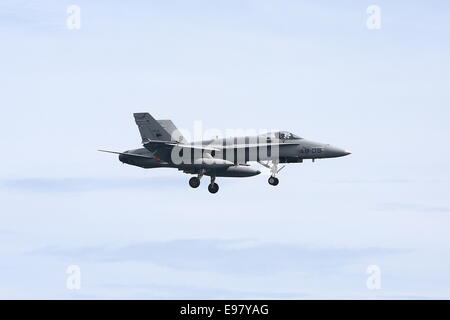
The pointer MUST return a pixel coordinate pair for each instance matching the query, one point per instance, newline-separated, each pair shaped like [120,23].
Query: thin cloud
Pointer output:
[224,256]
[412,207]
[154,290]
[85,184]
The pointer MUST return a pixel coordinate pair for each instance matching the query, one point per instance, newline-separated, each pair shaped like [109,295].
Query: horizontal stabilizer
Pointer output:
[127,154]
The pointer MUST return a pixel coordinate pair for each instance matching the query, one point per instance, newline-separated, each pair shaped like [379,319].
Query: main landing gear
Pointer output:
[213,187]
[194,182]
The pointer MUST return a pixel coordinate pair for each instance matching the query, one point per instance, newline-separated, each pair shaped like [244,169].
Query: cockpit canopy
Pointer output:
[284,135]
[281,135]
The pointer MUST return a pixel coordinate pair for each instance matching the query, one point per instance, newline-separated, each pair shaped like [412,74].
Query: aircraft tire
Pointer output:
[273,181]
[194,182]
[276,181]
[213,188]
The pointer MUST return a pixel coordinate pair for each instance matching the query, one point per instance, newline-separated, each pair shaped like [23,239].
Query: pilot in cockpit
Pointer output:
[284,135]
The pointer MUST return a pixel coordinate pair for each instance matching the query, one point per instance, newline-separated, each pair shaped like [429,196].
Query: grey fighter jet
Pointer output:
[165,147]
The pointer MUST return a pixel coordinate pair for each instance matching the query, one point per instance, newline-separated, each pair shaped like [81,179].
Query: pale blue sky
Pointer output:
[312,68]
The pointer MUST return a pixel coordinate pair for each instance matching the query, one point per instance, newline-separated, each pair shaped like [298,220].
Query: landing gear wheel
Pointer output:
[273,181]
[194,182]
[213,188]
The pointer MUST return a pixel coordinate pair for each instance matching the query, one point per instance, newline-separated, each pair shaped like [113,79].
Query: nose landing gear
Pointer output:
[273,181]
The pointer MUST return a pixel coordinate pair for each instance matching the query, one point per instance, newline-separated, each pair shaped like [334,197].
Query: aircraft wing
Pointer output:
[153,145]
[163,149]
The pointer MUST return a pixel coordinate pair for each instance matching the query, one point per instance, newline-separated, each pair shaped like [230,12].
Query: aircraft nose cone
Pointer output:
[337,152]
[341,152]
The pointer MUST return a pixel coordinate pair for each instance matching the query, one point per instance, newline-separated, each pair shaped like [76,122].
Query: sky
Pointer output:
[310,67]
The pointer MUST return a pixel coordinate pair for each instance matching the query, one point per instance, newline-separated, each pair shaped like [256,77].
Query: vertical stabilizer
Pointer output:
[150,129]
[172,130]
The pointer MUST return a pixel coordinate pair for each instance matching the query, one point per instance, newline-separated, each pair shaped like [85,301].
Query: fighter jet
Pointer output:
[165,147]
